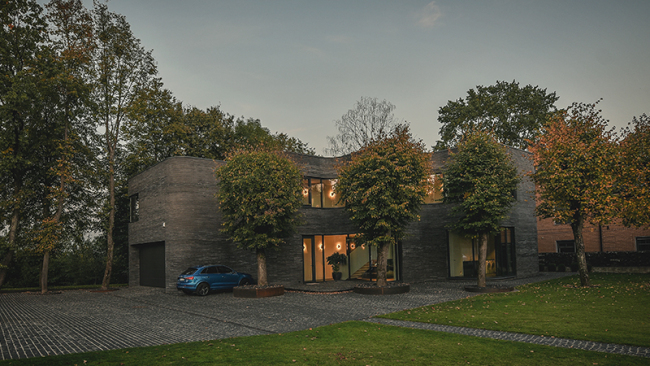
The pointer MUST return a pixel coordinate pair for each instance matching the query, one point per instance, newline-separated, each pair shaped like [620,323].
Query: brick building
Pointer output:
[558,238]
[175,223]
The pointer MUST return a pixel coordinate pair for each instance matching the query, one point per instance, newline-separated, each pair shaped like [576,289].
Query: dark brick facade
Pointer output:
[177,206]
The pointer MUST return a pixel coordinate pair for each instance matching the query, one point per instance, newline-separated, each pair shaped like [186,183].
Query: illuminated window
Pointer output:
[320,193]
[435,194]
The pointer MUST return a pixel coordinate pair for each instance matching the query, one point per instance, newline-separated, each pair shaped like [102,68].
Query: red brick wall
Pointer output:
[615,237]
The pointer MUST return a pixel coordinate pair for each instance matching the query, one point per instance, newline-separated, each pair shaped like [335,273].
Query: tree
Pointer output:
[72,45]
[512,114]
[382,187]
[575,173]
[368,121]
[260,192]
[123,69]
[23,38]
[634,170]
[480,178]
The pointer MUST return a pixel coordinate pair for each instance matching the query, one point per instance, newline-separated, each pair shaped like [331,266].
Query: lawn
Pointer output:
[350,343]
[614,310]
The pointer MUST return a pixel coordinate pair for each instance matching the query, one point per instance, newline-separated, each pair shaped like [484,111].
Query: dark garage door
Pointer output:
[152,264]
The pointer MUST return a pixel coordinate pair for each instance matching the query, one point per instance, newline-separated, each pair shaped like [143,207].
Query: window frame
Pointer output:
[644,241]
[134,208]
[308,190]
[564,242]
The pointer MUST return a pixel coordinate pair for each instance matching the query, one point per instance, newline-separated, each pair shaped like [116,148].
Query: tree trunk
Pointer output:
[13,230]
[111,222]
[5,262]
[482,257]
[44,271]
[382,264]
[577,225]
[261,268]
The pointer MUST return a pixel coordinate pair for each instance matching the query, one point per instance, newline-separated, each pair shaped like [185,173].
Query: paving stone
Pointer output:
[518,337]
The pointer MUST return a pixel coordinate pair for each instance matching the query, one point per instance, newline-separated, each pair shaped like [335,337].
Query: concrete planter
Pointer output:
[255,291]
[388,290]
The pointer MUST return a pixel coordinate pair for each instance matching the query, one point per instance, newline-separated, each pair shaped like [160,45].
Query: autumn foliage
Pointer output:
[480,179]
[575,172]
[382,187]
[634,169]
[259,195]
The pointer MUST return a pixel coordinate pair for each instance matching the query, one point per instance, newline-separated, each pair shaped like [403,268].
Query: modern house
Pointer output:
[175,223]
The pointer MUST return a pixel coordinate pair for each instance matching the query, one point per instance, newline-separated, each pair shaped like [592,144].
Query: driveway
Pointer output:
[33,325]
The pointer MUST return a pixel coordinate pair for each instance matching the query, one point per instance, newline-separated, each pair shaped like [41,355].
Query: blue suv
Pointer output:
[202,279]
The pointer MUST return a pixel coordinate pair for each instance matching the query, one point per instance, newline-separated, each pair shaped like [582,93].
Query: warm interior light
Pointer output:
[338,246]
[320,246]
[305,192]
[363,246]
[352,246]
[304,248]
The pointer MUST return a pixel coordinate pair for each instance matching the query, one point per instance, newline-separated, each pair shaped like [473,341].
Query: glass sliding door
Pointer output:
[464,255]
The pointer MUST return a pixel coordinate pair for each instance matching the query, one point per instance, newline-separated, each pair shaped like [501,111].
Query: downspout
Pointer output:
[600,236]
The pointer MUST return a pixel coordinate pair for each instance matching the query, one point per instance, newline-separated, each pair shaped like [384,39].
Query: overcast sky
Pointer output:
[300,65]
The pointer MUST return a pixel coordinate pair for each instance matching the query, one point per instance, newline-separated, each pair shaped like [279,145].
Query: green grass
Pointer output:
[615,310]
[350,343]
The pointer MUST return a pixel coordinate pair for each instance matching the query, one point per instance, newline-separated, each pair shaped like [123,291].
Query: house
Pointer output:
[554,237]
[175,223]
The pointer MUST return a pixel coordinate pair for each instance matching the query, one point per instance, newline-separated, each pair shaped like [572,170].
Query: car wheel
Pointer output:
[202,289]
[244,282]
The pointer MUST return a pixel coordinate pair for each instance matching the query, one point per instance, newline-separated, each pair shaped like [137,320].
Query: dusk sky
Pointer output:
[300,65]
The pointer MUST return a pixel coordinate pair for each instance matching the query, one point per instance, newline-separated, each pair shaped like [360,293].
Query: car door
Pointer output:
[213,278]
[230,277]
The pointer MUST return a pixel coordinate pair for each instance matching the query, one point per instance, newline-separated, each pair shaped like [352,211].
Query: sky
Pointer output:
[298,66]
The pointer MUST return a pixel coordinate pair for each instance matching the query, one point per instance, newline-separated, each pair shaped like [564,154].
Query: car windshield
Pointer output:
[188,271]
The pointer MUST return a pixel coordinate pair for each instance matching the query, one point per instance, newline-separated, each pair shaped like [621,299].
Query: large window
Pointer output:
[435,194]
[642,243]
[361,259]
[500,261]
[319,193]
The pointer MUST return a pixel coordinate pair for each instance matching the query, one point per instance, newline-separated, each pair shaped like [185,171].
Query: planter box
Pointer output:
[390,290]
[255,292]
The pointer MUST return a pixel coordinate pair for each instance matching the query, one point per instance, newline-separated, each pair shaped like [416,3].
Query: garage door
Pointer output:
[152,264]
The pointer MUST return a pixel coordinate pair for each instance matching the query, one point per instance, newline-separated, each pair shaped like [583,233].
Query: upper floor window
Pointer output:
[435,195]
[134,208]
[318,192]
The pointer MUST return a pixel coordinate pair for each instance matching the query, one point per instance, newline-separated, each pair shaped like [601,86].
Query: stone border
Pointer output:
[389,290]
[256,292]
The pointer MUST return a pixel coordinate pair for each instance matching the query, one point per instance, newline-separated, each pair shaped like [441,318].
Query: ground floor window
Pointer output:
[361,259]
[642,243]
[566,246]
[500,261]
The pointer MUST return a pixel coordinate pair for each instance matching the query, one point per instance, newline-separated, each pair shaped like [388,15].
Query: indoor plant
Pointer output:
[335,260]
